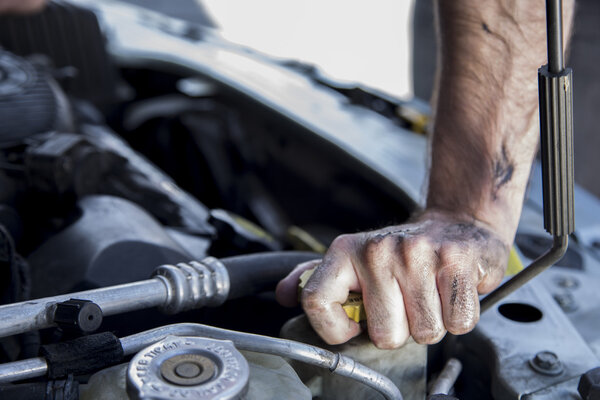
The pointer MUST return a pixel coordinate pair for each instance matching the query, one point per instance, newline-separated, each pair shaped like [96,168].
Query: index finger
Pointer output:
[327,290]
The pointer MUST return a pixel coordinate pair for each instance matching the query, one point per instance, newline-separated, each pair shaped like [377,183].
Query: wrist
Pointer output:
[463,217]
[501,219]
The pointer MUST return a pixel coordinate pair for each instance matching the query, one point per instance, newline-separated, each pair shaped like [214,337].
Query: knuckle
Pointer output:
[378,242]
[388,328]
[387,340]
[388,343]
[429,335]
[453,268]
[333,340]
[311,301]
[449,275]
[417,254]
[462,325]
[458,276]
[343,242]
[338,336]
[452,252]
[377,253]
[417,244]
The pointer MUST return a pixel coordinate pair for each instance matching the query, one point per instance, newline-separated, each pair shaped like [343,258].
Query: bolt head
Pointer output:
[589,385]
[547,363]
[546,359]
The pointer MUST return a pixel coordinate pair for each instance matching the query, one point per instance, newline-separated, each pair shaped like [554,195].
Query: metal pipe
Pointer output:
[554,36]
[558,249]
[37,314]
[446,379]
[174,288]
[335,362]
[24,369]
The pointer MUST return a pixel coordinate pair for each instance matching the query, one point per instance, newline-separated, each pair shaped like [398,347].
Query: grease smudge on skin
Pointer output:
[503,170]
[454,293]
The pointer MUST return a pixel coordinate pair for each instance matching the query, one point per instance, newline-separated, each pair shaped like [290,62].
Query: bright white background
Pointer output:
[356,40]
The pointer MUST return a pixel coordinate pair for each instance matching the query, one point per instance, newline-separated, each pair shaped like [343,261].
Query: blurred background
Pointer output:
[388,45]
[345,38]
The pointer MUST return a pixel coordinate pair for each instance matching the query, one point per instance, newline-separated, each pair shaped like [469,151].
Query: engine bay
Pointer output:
[158,181]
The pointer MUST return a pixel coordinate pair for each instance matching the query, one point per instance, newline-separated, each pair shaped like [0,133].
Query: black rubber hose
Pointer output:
[255,273]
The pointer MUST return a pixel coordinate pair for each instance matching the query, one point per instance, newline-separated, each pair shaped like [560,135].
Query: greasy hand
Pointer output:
[420,279]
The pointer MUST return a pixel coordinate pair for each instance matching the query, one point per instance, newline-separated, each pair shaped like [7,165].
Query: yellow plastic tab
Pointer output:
[515,265]
[354,307]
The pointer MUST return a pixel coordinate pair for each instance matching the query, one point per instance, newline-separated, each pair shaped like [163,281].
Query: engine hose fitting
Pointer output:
[193,285]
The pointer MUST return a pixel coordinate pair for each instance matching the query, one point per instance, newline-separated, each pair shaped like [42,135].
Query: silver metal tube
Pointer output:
[25,369]
[335,362]
[37,314]
[174,289]
[447,377]
[554,34]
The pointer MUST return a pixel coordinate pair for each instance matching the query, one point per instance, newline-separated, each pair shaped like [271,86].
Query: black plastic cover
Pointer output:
[82,355]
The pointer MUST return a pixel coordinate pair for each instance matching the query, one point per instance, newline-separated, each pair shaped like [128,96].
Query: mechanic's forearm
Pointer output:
[486,126]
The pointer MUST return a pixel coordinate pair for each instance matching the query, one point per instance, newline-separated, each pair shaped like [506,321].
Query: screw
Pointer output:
[547,363]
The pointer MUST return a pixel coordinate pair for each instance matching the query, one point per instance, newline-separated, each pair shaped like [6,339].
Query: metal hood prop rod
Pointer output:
[556,131]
